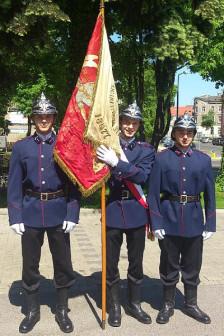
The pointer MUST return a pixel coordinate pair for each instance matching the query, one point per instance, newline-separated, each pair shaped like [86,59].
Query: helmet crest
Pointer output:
[132,111]
[186,121]
[43,106]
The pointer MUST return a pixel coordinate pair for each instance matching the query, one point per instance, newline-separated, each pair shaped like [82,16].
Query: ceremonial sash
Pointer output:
[135,189]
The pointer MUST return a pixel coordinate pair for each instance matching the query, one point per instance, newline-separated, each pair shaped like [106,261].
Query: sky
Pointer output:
[193,85]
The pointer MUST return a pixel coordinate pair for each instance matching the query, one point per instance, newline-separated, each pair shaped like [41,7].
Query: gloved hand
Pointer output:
[107,155]
[68,226]
[159,234]
[18,228]
[207,235]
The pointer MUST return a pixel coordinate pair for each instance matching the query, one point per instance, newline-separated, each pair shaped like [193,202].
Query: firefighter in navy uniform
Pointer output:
[125,215]
[38,203]
[179,176]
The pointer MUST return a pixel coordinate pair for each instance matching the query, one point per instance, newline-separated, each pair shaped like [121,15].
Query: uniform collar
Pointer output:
[49,138]
[179,152]
[128,144]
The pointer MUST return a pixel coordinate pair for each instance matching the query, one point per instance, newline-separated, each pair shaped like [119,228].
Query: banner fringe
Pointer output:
[72,177]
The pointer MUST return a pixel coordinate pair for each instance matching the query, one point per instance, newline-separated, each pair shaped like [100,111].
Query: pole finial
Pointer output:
[102,7]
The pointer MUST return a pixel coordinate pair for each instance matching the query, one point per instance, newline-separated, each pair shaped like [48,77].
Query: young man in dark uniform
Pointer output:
[125,215]
[179,176]
[38,203]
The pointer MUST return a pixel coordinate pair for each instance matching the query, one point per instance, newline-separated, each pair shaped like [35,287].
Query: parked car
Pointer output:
[215,141]
[168,142]
[205,140]
[218,141]
[164,139]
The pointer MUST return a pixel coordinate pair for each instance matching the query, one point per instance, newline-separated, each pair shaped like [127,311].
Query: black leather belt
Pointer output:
[182,199]
[45,196]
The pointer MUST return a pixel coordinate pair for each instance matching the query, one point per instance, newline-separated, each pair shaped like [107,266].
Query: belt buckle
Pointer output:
[125,194]
[44,196]
[183,199]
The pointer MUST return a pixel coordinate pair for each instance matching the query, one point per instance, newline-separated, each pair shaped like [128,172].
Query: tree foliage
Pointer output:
[149,39]
[210,62]
[208,120]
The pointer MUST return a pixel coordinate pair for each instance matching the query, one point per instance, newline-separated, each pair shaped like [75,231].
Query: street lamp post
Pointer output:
[178,83]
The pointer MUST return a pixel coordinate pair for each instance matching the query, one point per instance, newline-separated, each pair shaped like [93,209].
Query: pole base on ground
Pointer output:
[103,325]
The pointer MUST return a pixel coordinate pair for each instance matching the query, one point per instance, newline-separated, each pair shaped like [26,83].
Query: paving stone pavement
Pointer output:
[85,295]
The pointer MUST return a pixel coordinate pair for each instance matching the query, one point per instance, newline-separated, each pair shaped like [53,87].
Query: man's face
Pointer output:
[183,137]
[129,127]
[43,122]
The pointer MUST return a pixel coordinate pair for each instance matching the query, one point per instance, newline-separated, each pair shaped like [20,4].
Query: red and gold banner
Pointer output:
[91,117]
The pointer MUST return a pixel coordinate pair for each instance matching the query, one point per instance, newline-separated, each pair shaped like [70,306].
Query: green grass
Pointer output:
[92,201]
[219,200]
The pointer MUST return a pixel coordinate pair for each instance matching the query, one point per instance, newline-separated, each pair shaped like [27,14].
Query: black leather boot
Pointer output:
[168,305]
[33,312]
[114,310]
[61,315]
[191,308]
[134,304]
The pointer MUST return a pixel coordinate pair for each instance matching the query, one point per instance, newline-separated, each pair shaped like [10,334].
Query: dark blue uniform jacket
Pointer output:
[127,214]
[32,166]
[182,174]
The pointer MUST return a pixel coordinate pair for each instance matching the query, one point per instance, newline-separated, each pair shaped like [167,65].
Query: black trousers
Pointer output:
[59,244]
[180,254]
[135,245]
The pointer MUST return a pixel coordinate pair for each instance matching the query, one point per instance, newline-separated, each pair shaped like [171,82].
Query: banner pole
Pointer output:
[103,238]
[103,232]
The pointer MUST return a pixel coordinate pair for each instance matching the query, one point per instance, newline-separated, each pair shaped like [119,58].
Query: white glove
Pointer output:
[107,155]
[207,235]
[18,228]
[159,234]
[68,226]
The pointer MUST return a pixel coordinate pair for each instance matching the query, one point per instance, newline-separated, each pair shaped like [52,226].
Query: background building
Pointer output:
[181,110]
[204,104]
[17,124]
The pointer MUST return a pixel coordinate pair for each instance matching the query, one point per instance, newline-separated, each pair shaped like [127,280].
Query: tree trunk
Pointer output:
[165,75]
[29,126]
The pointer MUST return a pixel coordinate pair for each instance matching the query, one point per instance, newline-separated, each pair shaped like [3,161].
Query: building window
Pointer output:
[212,108]
[220,108]
[203,109]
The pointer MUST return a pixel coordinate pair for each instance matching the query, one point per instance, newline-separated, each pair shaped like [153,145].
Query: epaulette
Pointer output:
[197,150]
[162,151]
[145,144]
[23,139]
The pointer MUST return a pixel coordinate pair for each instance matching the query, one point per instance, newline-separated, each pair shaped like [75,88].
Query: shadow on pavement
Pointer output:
[17,295]
[90,287]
